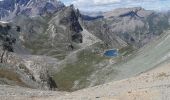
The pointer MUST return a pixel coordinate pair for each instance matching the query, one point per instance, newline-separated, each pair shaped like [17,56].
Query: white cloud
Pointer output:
[105,2]
[100,2]
[81,3]
[111,4]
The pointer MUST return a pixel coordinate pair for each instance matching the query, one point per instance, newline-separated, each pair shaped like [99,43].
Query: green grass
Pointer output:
[42,46]
[80,70]
[38,44]
[126,50]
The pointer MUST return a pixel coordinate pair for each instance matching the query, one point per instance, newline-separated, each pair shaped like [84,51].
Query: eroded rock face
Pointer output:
[69,19]
[32,70]
[6,40]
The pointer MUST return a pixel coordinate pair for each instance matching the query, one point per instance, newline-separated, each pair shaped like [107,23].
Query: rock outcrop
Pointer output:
[33,71]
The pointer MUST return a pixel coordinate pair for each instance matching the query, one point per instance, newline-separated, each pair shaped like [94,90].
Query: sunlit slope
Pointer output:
[145,59]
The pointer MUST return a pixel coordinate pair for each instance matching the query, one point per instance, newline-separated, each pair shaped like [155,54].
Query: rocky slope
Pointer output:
[153,85]
[26,70]
[54,35]
[135,26]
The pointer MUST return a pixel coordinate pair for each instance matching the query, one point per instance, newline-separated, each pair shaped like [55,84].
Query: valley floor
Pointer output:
[151,85]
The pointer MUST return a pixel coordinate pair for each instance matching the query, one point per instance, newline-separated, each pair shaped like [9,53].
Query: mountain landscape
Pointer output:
[49,50]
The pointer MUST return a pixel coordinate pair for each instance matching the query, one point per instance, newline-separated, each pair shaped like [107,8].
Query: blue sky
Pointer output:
[103,5]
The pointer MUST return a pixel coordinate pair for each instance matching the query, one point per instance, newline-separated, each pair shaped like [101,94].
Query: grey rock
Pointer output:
[34,71]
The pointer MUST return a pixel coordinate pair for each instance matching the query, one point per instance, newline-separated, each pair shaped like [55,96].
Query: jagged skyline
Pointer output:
[100,5]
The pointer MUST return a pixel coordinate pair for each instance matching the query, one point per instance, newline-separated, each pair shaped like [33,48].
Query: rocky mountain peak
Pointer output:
[69,17]
[132,14]
[126,12]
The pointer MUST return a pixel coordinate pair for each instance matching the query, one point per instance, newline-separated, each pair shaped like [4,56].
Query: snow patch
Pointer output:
[3,22]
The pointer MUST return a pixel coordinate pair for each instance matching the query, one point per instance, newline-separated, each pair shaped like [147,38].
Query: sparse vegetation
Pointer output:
[12,76]
[80,70]
[126,50]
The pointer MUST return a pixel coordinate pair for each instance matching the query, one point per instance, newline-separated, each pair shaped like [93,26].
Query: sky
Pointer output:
[106,5]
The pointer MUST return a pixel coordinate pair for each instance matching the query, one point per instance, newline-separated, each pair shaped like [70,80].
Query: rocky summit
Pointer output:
[49,50]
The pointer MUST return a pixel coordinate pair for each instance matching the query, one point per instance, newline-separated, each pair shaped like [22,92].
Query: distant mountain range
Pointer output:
[136,26]
[11,8]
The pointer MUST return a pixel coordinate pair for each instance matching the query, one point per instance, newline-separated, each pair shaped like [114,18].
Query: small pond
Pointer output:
[111,53]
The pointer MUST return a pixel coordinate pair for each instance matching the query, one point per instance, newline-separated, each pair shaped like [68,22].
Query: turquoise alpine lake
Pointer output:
[111,53]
